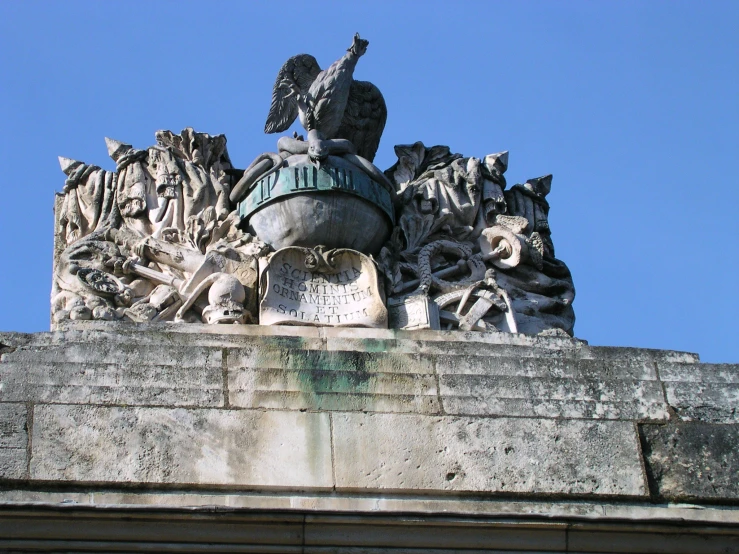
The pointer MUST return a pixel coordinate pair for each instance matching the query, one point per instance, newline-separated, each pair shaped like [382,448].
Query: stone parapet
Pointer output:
[322,420]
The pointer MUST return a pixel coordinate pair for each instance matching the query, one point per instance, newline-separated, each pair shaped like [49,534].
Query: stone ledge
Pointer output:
[370,340]
[494,506]
[106,530]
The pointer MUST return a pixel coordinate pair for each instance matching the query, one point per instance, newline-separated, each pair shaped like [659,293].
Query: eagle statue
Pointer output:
[330,103]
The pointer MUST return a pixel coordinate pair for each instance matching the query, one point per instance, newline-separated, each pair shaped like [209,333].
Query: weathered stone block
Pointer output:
[10,341]
[98,383]
[474,349]
[131,354]
[702,392]
[709,402]
[337,380]
[372,344]
[505,455]
[547,367]
[345,402]
[570,398]
[333,390]
[699,373]
[13,441]
[114,373]
[649,354]
[471,343]
[356,361]
[550,387]
[193,334]
[692,461]
[158,445]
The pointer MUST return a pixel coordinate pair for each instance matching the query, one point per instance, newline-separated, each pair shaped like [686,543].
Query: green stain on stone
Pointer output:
[321,373]
[375,345]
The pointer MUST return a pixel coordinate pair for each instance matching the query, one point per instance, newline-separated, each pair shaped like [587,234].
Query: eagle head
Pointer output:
[359,46]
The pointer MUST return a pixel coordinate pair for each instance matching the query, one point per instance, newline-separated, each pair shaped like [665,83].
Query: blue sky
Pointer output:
[633,106]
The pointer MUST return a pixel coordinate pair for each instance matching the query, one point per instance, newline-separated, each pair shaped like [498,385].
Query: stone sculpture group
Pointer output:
[313,234]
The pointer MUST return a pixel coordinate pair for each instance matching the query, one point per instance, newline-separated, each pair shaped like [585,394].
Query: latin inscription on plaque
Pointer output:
[310,287]
[414,312]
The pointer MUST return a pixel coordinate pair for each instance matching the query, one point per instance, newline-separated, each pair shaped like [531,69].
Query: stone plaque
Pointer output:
[413,312]
[303,286]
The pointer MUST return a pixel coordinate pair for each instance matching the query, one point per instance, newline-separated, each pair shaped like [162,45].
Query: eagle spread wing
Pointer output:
[301,70]
[364,118]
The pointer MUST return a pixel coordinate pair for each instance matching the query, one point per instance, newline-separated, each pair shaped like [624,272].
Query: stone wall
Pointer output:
[366,422]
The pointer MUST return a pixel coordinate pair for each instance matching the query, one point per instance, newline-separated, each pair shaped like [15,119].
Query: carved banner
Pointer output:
[307,178]
[302,286]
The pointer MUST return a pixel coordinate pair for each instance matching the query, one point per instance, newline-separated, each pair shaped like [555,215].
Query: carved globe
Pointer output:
[336,205]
